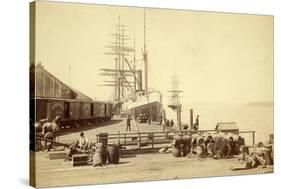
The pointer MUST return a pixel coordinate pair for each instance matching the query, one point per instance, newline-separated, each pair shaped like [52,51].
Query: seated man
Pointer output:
[83,141]
[255,159]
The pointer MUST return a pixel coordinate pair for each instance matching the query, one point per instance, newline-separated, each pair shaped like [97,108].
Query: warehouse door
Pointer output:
[66,110]
[92,109]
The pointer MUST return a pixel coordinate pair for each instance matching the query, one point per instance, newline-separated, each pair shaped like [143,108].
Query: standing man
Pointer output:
[128,128]
[161,119]
[167,123]
[172,123]
[196,124]
[149,119]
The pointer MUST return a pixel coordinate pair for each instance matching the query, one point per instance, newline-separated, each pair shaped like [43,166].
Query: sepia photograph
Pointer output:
[128,94]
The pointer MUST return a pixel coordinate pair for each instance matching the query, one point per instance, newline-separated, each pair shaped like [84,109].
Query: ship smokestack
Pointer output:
[139,77]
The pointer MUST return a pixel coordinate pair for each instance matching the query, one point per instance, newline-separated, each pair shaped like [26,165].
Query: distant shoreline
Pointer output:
[260,104]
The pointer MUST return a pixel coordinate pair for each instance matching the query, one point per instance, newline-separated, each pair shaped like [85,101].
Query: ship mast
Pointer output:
[145,56]
[175,99]
[134,66]
[123,80]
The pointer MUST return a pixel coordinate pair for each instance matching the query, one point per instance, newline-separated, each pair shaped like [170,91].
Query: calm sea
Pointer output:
[259,119]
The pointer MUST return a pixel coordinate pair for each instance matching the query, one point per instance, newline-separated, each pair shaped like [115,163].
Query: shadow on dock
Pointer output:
[89,127]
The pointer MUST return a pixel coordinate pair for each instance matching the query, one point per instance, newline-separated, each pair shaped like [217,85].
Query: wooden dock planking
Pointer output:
[133,168]
[139,168]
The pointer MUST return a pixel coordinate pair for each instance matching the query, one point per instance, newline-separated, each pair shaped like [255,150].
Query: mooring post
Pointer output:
[254,138]
[152,135]
[139,141]
[125,141]
[179,116]
[118,137]
[191,118]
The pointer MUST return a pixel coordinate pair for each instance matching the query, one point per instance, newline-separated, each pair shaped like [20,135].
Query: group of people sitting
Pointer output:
[223,145]
[217,146]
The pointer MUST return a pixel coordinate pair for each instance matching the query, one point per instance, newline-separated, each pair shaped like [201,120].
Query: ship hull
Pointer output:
[152,109]
[149,105]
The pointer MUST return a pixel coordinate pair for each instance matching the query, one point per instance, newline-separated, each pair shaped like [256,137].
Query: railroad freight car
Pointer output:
[73,112]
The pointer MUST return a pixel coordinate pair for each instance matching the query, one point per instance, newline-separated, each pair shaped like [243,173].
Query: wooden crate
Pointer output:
[79,159]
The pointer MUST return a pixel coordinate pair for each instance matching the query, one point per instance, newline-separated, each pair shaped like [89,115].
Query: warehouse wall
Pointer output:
[47,85]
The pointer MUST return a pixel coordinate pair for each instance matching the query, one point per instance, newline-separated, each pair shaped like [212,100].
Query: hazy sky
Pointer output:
[217,57]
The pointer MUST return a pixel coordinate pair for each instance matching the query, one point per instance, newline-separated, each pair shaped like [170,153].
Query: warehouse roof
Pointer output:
[55,88]
[227,126]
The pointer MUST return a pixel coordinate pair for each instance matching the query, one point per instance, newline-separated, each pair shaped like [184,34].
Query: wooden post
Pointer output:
[152,142]
[139,141]
[118,137]
[191,119]
[125,141]
[179,116]
[254,138]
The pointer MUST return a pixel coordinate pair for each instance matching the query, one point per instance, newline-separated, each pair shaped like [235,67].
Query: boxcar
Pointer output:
[72,112]
[49,109]
[108,111]
[85,112]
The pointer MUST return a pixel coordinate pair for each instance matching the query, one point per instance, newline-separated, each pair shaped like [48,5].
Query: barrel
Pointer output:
[176,151]
[103,138]
[236,148]
[185,150]
[267,156]
[177,146]
[177,140]
[186,140]
[199,151]
[113,154]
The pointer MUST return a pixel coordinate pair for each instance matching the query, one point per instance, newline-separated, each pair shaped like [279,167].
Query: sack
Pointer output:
[97,160]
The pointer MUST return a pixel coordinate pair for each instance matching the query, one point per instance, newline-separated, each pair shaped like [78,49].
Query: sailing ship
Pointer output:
[129,94]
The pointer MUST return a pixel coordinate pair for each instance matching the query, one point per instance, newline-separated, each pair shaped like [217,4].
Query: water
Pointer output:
[259,119]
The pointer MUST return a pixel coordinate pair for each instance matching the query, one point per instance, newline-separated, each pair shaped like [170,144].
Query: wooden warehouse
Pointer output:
[50,97]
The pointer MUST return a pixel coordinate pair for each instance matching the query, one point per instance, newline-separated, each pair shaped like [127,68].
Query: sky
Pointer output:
[217,57]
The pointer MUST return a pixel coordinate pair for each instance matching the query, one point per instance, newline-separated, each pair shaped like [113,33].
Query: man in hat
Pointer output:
[196,124]
[83,141]
[128,128]
[172,123]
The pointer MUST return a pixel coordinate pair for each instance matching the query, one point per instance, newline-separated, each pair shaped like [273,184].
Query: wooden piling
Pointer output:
[191,118]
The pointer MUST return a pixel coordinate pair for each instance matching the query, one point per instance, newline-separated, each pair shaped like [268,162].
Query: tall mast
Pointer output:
[175,99]
[134,66]
[145,55]
[120,77]
[144,31]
